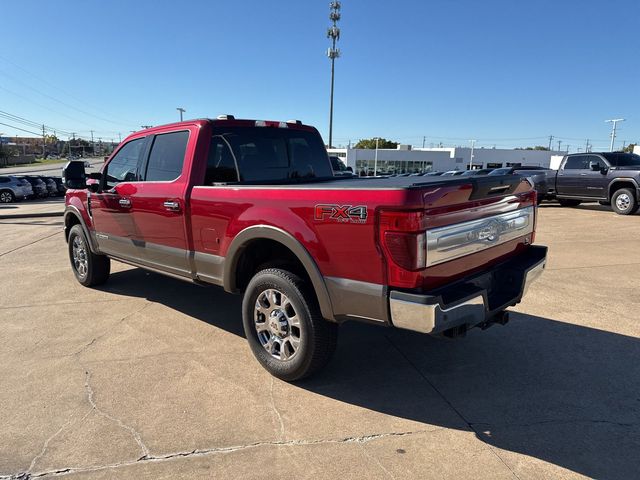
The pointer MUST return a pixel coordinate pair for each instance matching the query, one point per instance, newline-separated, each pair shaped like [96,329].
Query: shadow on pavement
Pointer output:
[562,393]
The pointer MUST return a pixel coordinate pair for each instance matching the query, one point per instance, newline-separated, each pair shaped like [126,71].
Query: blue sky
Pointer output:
[507,73]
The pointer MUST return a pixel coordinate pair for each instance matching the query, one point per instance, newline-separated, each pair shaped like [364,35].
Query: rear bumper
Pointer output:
[470,302]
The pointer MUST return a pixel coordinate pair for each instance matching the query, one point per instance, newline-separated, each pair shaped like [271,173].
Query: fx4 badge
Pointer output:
[341,213]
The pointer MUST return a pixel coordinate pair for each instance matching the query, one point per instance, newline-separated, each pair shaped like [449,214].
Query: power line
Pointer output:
[21,129]
[60,90]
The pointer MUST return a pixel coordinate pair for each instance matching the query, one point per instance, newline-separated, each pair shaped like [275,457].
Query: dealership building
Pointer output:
[406,159]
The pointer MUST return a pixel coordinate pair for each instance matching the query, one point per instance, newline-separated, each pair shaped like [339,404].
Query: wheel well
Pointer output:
[618,185]
[69,221]
[264,253]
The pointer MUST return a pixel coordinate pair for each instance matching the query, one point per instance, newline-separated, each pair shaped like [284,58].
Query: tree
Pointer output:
[537,147]
[371,143]
[629,148]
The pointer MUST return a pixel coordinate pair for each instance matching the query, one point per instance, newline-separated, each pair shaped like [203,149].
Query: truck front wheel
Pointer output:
[90,269]
[284,326]
[624,202]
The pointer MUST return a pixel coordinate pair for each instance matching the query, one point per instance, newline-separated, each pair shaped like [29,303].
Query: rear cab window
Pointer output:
[266,155]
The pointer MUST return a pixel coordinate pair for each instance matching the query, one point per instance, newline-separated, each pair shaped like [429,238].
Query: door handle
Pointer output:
[125,203]
[172,206]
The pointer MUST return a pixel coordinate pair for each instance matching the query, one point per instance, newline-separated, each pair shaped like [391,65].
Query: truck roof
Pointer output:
[230,121]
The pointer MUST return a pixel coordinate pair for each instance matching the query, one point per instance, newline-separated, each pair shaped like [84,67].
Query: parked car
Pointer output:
[52,188]
[27,189]
[433,174]
[537,175]
[452,173]
[11,189]
[60,184]
[37,184]
[255,208]
[339,168]
[611,178]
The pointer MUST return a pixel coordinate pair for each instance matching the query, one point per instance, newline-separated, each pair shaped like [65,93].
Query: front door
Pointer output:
[594,183]
[115,228]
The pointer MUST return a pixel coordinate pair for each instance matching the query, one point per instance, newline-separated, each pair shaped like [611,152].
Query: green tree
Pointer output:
[538,147]
[629,148]
[370,143]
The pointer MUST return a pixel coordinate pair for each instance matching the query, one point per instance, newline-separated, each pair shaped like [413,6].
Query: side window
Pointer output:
[167,157]
[221,166]
[4,180]
[578,162]
[124,166]
[594,158]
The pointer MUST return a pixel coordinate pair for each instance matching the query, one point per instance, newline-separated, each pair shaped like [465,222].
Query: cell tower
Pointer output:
[333,32]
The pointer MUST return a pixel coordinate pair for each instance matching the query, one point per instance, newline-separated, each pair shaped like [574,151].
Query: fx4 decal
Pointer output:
[341,213]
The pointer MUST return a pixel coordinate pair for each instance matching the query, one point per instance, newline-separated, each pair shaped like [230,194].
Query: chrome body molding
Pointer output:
[491,293]
[455,241]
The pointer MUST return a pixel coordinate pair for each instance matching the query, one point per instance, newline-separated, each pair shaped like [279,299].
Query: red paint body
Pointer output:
[211,216]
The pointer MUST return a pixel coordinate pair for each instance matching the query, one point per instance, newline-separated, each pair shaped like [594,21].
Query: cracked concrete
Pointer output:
[150,377]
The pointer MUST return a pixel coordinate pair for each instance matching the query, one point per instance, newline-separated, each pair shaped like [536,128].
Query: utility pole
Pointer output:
[586,145]
[333,33]
[44,141]
[375,161]
[550,140]
[613,130]
[559,143]
[181,110]
[473,144]
[568,147]
[424,139]
[119,137]
[93,148]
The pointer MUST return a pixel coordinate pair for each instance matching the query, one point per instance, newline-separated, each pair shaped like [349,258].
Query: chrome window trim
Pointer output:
[454,241]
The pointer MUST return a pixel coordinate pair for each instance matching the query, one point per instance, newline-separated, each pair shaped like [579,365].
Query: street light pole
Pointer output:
[473,144]
[613,130]
[333,33]
[181,110]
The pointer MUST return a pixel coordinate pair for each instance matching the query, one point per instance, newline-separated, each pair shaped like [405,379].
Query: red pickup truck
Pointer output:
[253,206]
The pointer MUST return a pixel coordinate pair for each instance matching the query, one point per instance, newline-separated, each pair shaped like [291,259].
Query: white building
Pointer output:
[405,159]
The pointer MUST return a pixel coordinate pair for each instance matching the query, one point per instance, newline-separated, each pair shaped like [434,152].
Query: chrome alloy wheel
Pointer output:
[277,324]
[5,197]
[80,260]
[623,201]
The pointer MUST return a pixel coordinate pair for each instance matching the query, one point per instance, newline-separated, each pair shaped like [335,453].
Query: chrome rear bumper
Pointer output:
[469,302]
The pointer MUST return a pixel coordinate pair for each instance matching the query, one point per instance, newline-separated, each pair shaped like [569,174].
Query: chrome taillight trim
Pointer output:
[455,241]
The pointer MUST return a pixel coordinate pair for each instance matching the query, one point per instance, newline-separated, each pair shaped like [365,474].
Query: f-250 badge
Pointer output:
[341,213]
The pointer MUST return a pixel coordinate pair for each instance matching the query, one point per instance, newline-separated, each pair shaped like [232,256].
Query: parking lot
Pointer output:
[150,377]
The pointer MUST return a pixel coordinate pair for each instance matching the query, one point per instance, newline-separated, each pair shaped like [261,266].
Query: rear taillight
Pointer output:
[403,240]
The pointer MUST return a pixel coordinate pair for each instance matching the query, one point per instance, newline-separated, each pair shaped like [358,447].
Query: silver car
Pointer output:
[11,189]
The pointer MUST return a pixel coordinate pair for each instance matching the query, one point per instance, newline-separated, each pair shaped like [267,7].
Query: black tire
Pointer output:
[565,202]
[316,337]
[90,269]
[7,196]
[624,202]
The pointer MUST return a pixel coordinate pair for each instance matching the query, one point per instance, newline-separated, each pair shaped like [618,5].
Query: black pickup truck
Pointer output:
[611,178]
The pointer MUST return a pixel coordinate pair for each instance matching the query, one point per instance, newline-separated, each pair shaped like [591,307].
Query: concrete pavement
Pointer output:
[150,377]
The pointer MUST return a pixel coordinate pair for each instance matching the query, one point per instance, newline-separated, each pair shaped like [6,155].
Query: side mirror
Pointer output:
[594,166]
[95,182]
[74,176]
[349,169]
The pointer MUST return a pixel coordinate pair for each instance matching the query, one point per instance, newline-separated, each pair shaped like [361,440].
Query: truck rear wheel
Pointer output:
[90,269]
[624,202]
[566,202]
[284,326]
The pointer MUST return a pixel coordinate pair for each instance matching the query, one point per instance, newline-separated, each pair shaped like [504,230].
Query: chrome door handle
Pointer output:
[172,206]
[125,202]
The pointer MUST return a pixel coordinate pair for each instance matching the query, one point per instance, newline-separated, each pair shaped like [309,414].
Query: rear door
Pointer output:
[158,203]
[570,176]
